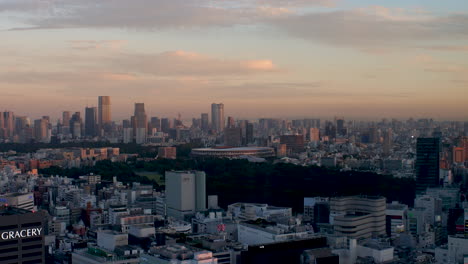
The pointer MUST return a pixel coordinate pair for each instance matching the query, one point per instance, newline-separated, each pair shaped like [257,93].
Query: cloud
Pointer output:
[445,48]
[184,63]
[150,14]
[371,28]
[113,45]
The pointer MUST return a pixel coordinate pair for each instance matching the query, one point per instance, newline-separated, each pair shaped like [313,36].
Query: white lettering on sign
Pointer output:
[31,232]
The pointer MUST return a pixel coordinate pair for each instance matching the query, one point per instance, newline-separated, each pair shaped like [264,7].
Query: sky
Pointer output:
[361,59]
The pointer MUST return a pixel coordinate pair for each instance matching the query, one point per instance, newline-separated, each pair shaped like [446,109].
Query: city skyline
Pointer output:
[362,59]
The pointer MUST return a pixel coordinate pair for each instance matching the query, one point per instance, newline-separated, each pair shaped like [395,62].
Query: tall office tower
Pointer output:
[41,127]
[231,123]
[249,133]
[340,128]
[427,163]
[233,137]
[185,193]
[205,125]
[127,131]
[165,125]
[330,130]
[9,124]
[21,122]
[387,141]
[294,143]
[140,123]
[358,217]
[104,114]
[314,134]
[75,125]
[374,135]
[91,126]
[22,236]
[156,123]
[217,117]
[66,115]
[2,127]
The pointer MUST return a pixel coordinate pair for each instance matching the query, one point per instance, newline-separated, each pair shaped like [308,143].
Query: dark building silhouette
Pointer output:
[283,252]
[427,163]
[21,236]
[294,143]
[91,126]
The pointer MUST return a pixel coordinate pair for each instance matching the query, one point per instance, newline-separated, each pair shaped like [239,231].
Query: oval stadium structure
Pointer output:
[230,152]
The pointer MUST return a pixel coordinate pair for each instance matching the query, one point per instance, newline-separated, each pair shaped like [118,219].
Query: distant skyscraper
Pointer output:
[314,134]
[217,117]
[387,141]
[9,124]
[427,163]
[205,126]
[249,133]
[66,118]
[41,127]
[91,128]
[231,123]
[76,124]
[104,113]
[156,123]
[165,125]
[140,123]
[233,136]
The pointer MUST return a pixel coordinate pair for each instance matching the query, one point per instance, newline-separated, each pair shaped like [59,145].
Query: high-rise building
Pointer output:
[165,125]
[217,117]
[314,134]
[427,163]
[340,128]
[104,113]
[156,123]
[205,125]
[66,118]
[140,123]
[91,127]
[231,122]
[294,143]
[185,192]
[233,136]
[41,127]
[65,128]
[249,133]
[387,141]
[9,124]
[76,124]
[22,236]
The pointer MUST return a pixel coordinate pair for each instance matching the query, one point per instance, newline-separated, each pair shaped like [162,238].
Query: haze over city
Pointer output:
[361,59]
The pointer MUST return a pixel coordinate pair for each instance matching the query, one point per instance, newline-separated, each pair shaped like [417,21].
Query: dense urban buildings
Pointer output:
[139,199]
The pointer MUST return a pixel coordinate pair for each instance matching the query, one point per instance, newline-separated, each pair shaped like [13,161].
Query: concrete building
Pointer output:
[397,218]
[380,253]
[358,217]
[167,152]
[19,200]
[110,239]
[264,232]
[185,193]
[180,254]
[254,211]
